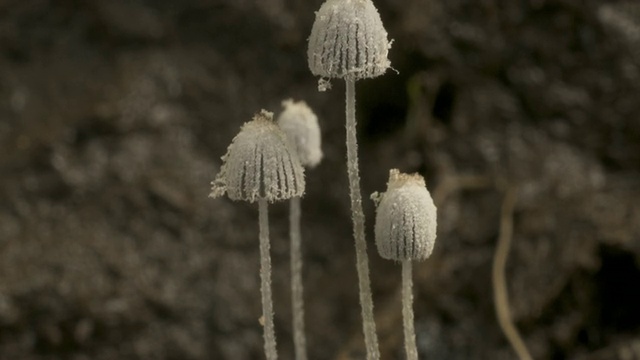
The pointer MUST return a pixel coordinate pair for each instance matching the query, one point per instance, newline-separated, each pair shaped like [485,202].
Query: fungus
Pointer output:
[260,165]
[405,230]
[348,41]
[300,125]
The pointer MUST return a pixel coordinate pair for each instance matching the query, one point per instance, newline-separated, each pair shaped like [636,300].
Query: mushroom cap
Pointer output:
[300,125]
[260,163]
[406,219]
[348,41]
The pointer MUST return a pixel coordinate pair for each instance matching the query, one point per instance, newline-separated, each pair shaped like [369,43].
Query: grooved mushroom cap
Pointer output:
[406,223]
[348,41]
[260,163]
[301,126]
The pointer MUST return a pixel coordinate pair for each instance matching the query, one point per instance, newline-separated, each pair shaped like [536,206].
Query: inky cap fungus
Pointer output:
[260,163]
[301,126]
[405,226]
[348,41]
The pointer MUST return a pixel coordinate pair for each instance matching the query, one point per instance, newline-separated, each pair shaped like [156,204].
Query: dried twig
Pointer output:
[498,277]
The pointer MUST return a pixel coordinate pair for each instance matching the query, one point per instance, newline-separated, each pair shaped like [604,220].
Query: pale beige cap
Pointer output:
[406,218]
[300,124]
[348,41]
[260,163]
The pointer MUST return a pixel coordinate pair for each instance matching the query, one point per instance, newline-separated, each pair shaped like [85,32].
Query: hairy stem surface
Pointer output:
[407,312]
[297,298]
[265,286]
[362,260]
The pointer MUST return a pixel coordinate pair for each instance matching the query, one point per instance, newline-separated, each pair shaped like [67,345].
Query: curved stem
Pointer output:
[500,295]
[362,260]
[297,298]
[410,347]
[265,285]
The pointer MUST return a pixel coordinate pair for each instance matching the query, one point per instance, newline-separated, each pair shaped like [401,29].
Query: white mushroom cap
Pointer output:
[260,163]
[348,41]
[301,126]
[406,220]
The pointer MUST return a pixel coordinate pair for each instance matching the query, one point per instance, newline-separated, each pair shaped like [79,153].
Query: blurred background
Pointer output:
[114,115]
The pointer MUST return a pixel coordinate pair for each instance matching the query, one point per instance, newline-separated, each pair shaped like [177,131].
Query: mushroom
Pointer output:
[261,165]
[300,125]
[348,41]
[405,230]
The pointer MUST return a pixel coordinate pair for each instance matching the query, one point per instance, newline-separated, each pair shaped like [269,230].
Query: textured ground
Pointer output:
[114,115]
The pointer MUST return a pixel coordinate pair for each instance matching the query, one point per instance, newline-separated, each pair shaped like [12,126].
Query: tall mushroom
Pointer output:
[261,165]
[348,41]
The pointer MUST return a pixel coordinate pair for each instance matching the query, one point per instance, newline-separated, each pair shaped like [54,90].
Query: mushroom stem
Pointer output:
[297,299]
[407,311]
[362,260]
[265,286]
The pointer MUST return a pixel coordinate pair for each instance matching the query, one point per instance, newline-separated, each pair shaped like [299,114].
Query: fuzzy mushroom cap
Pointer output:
[260,163]
[406,223]
[301,126]
[348,41]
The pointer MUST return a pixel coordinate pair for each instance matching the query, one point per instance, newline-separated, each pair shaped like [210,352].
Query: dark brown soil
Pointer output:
[114,115]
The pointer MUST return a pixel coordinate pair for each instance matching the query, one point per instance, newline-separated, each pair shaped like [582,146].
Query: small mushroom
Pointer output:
[405,230]
[301,126]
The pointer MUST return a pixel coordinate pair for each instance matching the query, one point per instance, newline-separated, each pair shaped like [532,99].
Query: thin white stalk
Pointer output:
[265,286]
[362,260]
[297,298]
[407,312]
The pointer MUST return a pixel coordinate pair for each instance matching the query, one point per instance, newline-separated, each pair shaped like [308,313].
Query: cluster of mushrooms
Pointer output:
[265,163]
